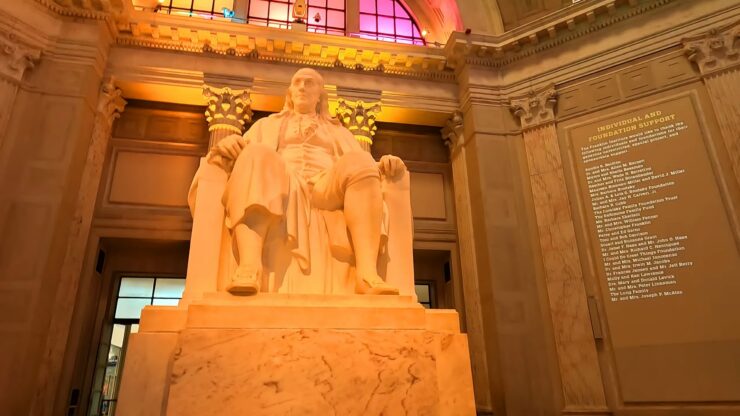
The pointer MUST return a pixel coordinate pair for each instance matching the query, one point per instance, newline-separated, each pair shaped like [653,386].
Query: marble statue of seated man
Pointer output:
[300,180]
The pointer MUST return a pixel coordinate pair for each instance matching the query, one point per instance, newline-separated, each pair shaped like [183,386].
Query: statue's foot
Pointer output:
[374,285]
[245,281]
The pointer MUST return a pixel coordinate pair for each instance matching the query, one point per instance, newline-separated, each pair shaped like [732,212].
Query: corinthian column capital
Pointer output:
[110,104]
[715,50]
[359,118]
[15,57]
[227,109]
[536,108]
[452,132]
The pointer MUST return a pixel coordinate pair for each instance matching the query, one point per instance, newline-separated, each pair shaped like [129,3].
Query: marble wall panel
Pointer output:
[577,357]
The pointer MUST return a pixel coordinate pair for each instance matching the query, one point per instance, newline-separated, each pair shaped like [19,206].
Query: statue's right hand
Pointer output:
[230,146]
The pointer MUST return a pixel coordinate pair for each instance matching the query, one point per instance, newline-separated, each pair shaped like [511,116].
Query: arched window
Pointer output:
[388,20]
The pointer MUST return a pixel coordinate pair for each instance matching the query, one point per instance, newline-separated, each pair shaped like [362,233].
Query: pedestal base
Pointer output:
[291,354]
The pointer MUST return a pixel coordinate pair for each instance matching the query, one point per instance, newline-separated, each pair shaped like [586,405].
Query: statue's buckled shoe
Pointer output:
[376,287]
[244,282]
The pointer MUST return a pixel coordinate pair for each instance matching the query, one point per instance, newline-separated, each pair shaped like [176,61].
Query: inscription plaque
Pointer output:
[666,257]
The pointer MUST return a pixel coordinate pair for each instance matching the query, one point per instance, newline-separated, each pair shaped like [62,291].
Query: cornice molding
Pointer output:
[715,51]
[86,9]
[255,43]
[551,31]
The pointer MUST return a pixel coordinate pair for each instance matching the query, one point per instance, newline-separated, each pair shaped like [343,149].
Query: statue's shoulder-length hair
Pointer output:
[322,108]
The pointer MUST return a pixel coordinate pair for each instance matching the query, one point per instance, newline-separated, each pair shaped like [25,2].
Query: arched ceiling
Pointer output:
[442,17]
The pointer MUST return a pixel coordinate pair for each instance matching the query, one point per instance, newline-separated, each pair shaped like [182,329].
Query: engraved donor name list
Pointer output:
[628,194]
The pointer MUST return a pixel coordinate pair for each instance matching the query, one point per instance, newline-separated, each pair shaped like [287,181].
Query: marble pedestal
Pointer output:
[297,355]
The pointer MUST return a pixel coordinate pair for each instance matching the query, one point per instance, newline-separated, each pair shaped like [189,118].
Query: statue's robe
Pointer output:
[298,171]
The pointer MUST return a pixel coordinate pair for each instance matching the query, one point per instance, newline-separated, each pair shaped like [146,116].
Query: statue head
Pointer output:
[307,95]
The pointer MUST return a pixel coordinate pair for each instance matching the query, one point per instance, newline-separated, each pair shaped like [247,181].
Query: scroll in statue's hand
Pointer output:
[391,166]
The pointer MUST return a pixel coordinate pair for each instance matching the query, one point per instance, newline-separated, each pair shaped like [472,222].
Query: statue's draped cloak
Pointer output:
[309,250]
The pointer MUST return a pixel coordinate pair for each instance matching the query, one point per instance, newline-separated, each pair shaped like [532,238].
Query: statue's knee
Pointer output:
[359,160]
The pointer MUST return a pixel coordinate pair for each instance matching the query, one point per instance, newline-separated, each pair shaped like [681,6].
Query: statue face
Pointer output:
[305,91]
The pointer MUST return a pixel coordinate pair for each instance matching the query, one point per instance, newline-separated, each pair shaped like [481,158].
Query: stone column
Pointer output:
[580,374]
[453,137]
[359,118]
[15,59]
[109,107]
[717,56]
[521,360]
[210,256]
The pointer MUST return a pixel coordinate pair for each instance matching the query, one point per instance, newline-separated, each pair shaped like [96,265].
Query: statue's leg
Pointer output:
[363,212]
[249,237]
[253,202]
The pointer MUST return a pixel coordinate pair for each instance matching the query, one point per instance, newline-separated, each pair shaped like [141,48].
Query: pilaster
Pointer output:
[45,206]
[521,362]
[717,56]
[454,138]
[580,375]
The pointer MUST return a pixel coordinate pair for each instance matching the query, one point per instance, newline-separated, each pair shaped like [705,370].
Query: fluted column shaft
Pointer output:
[453,137]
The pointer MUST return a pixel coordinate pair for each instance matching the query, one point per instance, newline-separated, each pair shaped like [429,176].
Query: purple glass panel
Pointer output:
[416,32]
[400,12]
[367,6]
[385,7]
[403,27]
[336,4]
[367,23]
[335,18]
[385,25]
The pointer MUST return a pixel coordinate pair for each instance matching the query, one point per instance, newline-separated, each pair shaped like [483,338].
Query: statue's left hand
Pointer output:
[391,166]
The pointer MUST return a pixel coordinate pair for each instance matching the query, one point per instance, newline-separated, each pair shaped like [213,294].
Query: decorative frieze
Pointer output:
[536,109]
[715,51]
[359,117]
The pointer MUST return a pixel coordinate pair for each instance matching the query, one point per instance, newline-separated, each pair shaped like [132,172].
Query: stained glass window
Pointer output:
[324,16]
[209,9]
[388,20]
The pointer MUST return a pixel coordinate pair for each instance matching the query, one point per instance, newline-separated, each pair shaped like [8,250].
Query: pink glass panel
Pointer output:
[385,25]
[403,27]
[258,8]
[335,18]
[312,12]
[400,12]
[385,7]
[416,32]
[367,23]
[336,4]
[320,3]
[402,40]
[279,11]
[367,6]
